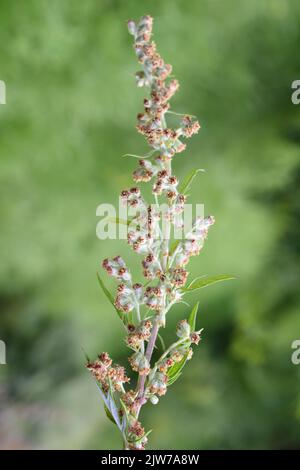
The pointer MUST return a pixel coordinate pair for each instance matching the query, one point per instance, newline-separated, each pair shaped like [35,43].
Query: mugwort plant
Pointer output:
[143,308]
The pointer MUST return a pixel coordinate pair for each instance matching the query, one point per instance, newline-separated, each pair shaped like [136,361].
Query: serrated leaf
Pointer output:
[188,179]
[206,281]
[109,415]
[193,316]
[110,298]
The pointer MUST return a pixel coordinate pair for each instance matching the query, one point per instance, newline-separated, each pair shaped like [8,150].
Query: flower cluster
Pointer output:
[194,241]
[128,296]
[144,306]
[146,170]
[179,352]
[137,439]
[105,373]
[137,335]
[139,363]
[158,385]
[117,268]
[152,267]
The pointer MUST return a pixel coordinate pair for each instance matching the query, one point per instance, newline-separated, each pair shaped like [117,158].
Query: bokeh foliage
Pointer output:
[70,115]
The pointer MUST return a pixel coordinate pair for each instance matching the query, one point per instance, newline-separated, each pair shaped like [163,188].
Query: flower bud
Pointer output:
[136,429]
[116,267]
[154,298]
[161,319]
[129,399]
[131,27]
[138,292]
[165,365]
[139,363]
[140,79]
[134,341]
[144,330]
[124,299]
[158,384]
[190,354]
[183,329]
[195,338]
[177,356]
[178,276]
[154,399]
[105,359]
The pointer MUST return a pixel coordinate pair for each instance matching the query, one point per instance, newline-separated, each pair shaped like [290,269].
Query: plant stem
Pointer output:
[155,328]
[148,355]
[137,307]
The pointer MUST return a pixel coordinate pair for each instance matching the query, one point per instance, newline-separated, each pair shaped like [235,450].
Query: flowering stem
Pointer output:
[148,355]
[138,314]
[150,236]
[155,329]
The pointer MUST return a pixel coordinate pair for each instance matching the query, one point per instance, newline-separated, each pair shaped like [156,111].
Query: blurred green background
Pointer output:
[70,116]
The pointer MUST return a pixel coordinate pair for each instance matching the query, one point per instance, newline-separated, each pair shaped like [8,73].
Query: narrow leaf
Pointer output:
[193,316]
[173,379]
[117,220]
[85,355]
[124,407]
[133,155]
[163,346]
[181,114]
[147,155]
[206,281]
[173,246]
[109,415]
[143,437]
[112,407]
[110,298]
[188,179]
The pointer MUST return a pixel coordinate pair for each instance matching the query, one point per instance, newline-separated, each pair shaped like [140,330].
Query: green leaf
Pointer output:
[109,415]
[173,246]
[128,320]
[188,179]
[111,405]
[206,281]
[175,371]
[173,379]
[181,114]
[193,316]
[163,346]
[118,220]
[147,155]
[110,298]
[124,407]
